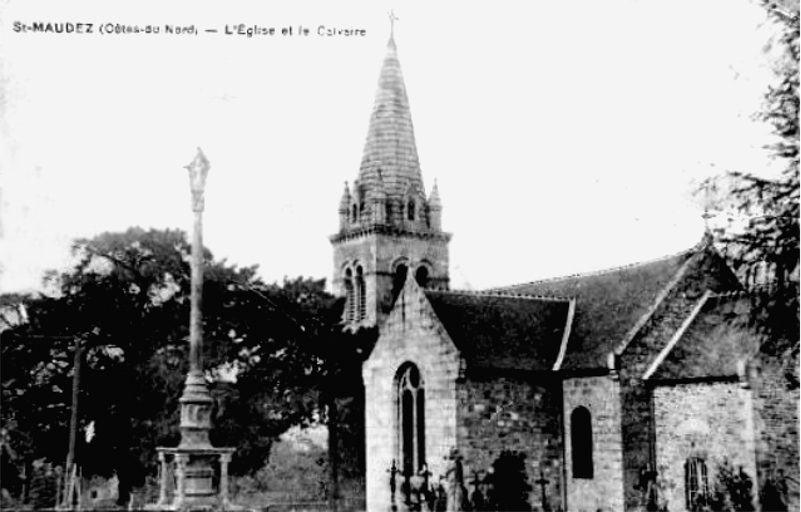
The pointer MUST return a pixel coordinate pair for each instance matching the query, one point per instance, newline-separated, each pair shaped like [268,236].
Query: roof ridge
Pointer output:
[506,295]
[599,272]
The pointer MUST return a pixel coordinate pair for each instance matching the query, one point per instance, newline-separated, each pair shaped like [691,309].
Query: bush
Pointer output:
[732,491]
[290,474]
[774,494]
[510,487]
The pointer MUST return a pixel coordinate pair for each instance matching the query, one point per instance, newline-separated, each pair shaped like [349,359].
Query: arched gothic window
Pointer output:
[410,209]
[581,442]
[361,295]
[399,280]
[350,302]
[421,276]
[696,483]
[355,213]
[411,419]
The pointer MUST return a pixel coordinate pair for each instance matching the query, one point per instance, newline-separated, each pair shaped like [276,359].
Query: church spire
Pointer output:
[388,228]
[390,150]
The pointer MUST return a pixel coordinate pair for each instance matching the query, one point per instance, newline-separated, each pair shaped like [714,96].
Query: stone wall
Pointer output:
[601,396]
[776,397]
[411,334]
[706,271]
[377,253]
[710,420]
[517,413]
[637,423]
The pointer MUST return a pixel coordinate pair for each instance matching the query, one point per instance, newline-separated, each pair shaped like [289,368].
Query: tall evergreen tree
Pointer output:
[764,248]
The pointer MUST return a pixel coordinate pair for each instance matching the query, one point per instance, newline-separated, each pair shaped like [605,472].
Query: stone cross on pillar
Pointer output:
[195,461]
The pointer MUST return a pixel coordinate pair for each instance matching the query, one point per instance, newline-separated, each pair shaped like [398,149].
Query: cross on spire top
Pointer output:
[709,189]
[392,20]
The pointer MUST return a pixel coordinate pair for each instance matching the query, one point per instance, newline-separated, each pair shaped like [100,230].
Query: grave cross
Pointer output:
[425,473]
[543,482]
[393,471]
[477,497]
[475,481]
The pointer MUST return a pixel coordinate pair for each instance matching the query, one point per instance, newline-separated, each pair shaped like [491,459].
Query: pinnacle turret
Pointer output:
[344,203]
[434,202]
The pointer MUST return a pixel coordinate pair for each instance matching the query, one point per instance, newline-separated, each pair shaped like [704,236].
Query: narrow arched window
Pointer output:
[410,209]
[355,213]
[398,280]
[696,483]
[350,303]
[421,276]
[581,442]
[361,294]
[411,419]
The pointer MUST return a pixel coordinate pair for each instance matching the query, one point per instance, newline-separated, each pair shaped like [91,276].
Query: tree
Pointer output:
[126,303]
[765,248]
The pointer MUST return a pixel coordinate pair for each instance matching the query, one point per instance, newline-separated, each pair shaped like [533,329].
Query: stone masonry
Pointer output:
[518,413]
[380,255]
[713,421]
[704,271]
[411,334]
[600,395]
[775,396]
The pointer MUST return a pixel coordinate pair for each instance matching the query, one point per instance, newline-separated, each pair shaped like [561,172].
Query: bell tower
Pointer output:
[388,226]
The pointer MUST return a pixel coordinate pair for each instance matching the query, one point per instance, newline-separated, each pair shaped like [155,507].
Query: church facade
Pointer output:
[611,384]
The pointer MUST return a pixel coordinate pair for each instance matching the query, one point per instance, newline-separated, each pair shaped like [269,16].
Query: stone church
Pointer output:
[609,383]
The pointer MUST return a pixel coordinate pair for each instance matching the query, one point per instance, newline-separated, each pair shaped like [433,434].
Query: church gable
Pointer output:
[704,272]
[410,394]
[412,328]
[711,344]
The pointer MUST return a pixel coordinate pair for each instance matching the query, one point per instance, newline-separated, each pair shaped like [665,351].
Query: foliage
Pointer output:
[765,249]
[773,496]
[732,491]
[290,473]
[126,302]
[510,487]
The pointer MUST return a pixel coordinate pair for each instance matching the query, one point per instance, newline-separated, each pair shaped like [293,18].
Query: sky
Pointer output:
[565,137]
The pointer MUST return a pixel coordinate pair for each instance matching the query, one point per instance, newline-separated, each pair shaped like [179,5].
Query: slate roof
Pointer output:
[502,331]
[390,163]
[713,342]
[608,305]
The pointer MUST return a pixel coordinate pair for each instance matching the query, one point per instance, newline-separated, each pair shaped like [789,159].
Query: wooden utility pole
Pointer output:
[333,450]
[70,474]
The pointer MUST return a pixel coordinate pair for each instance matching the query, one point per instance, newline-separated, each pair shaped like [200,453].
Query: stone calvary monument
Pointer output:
[195,464]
